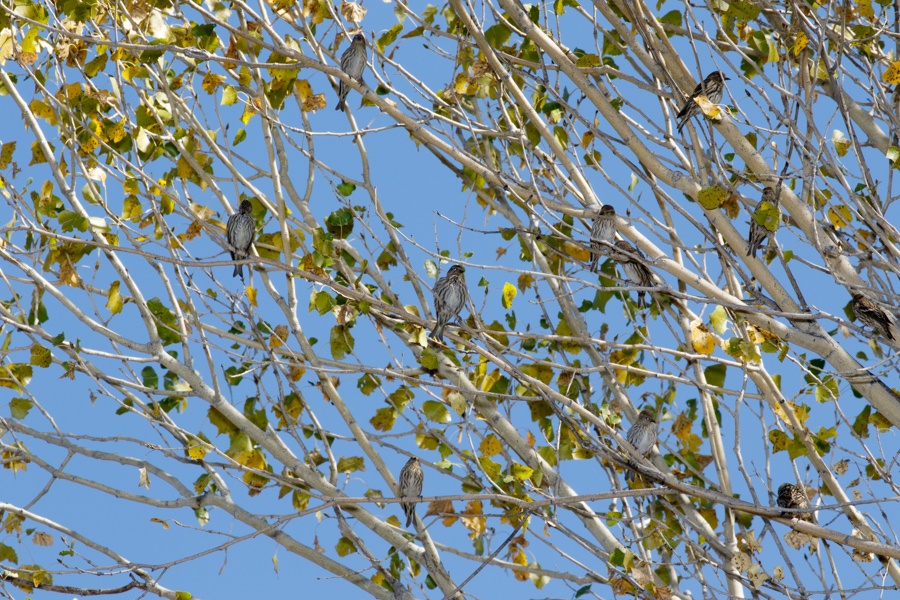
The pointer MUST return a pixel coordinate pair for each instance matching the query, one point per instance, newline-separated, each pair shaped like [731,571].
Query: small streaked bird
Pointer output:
[450,296]
[636,272]
[604,230]
[239,232]
[411,478]
[758,233]
[712,87]
[642,436]
[872,315]
[792,496]
[353,63]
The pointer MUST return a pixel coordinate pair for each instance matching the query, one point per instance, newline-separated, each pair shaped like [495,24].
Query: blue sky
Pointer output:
[414,188]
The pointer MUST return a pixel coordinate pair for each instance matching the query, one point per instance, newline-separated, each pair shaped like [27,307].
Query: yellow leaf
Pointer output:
[576,251]
[587,138]
[509,294]
[490,446]
[114,299]
[864,8]
[160,521]
[521,472]
[196,450]
[712,197]
[279,337]
[117,133]
[800,43]
[892,75]
[251,295]
[211,82]
[702,341]
[840,216]
[185,170]
[841,143]
[6,154]
[709,109]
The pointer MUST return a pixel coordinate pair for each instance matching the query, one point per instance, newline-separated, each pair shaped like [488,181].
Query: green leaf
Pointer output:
[229,95]
[712,197]
[7,553]
[341,341]
[348,464]
[368,383]
[431,269]
[429,359]
[165,326]
[40,356]
[344,547]
[340,223]
[497,35]
[437,412]
[388,37]
[150,378]
[719,320]
[96,65]
[346,188]
[715,375]
[19,408]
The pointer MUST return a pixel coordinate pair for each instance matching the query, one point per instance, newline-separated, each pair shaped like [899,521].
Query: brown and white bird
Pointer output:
[872,315]
[353,63]
[450,296]
[635,271]
[712,87]
[642,436]
[759,233]
[792,496]
[602,230]
[411,479]
[239,231]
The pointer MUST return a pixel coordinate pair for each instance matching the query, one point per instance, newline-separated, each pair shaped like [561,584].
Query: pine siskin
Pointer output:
[604,230]
[712,87]
[411,478]
[450,296]
[636,272]
[239,232]
[758,233]
[792,496]
[642,436]
[353,63]
[872,315]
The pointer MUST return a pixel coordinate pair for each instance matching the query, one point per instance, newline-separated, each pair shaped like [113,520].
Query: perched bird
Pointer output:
[411,477]
[450,296]
[712,87]
[604,230]
[239,232]
[353,63]
[642,436]
[872,315]
[636,272]
[758,233]
[792,496]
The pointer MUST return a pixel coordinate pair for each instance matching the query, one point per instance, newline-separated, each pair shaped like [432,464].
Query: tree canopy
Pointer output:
[202,413]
